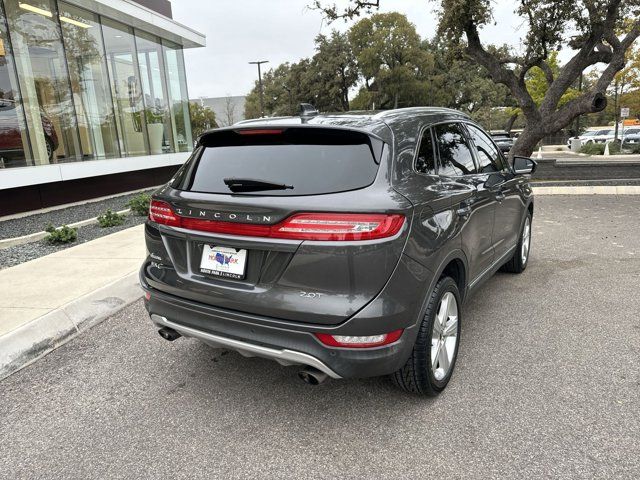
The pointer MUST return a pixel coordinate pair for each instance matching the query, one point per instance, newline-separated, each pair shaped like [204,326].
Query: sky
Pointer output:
[241,31]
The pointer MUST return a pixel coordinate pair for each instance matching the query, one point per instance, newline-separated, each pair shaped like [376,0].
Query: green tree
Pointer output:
[276,97]
[323,80]
[462,84]
[389,55]
[333,71]
[202,118]
[625,81]
[588,27]
[537,84]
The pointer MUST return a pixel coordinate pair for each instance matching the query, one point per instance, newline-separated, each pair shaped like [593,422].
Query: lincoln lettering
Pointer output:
[224,216]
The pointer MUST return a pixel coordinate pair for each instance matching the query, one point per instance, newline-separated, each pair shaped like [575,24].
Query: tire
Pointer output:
[518,263]
[419,375]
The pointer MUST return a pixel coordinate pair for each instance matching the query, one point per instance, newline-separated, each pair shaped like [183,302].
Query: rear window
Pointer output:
[311,160]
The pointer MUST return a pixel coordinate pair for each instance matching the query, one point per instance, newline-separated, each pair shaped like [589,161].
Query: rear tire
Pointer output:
[520,259]
[432,361]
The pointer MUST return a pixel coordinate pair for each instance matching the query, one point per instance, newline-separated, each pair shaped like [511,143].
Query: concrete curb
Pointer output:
[589,190]
[26,344]
[34,237]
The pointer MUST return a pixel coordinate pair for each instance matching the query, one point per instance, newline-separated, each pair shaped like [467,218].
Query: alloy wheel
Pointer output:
[526,241]
[444,337]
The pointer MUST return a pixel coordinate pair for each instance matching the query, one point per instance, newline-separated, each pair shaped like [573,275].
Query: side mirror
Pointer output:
[524,165]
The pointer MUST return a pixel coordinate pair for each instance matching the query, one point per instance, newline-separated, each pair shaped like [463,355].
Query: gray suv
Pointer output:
[345,244]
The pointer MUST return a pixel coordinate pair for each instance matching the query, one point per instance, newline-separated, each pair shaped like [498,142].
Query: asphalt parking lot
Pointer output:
[547,384]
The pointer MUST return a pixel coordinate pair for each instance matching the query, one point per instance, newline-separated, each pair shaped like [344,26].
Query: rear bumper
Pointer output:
[283,356]
[289,343]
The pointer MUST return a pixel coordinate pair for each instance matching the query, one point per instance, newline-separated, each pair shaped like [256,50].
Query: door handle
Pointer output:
[464,211]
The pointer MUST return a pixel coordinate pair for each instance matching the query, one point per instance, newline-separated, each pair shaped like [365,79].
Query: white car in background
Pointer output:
[629,131]
[609,135]
[602,136]
[587,137]
[606,135]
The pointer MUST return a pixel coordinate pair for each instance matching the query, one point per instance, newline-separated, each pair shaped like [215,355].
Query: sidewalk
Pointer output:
[48,300]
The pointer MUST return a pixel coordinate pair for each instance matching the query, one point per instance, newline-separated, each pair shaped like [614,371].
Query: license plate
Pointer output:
[223,261]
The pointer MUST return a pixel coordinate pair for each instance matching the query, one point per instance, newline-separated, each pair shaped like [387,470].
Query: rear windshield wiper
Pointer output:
[251,185]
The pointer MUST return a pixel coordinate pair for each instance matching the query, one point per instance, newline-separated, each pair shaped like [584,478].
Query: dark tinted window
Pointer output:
[455,154]
[313,161]
[425,163]
[489,157]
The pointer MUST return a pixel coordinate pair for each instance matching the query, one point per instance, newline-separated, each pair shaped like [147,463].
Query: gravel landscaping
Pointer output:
[18,227]
[23,253]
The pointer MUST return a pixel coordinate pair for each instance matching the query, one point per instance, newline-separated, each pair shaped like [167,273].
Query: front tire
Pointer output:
[431,364]
[520,259]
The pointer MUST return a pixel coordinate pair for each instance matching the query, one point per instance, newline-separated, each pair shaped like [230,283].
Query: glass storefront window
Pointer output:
[126,88]
[44,80]
[75,85]
[89,82]
[154,93]
[178,97]
[14,141]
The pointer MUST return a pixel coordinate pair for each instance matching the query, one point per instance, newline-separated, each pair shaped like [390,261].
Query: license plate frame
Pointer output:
[223,262]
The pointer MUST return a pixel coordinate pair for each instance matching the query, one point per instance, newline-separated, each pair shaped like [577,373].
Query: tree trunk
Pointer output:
[526,142]
[510,122]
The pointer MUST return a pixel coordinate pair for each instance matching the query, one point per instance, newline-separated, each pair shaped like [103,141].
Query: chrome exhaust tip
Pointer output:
[312,376]
[169,334]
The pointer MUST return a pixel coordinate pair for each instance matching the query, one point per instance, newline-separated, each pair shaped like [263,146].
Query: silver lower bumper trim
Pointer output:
[284,357]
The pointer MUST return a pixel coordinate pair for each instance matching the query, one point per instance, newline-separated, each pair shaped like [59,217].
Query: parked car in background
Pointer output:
[631,140]
[593,136]
[628,131]
[11,145]
[346,244]
[602,136]
[503,140]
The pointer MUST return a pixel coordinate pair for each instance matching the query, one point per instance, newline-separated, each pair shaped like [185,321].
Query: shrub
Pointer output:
[140,204]
[632,148]
[110,219]
[64,234]
[593,148]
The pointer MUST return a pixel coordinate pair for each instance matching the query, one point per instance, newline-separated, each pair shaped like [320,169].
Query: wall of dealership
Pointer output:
[93,99]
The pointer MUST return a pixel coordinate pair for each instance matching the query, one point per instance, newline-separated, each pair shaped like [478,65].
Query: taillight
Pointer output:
[161,212]
[354,341]
[301,226]
[338,226]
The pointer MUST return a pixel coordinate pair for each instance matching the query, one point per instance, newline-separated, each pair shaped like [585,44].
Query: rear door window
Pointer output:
[311,160]
[456,158]
[426,161]
[489,157]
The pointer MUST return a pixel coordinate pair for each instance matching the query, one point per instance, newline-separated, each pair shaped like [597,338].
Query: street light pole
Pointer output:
[260,62]
[291,112]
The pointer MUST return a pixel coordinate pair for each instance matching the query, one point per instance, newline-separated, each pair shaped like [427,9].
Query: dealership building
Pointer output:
[93,99]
